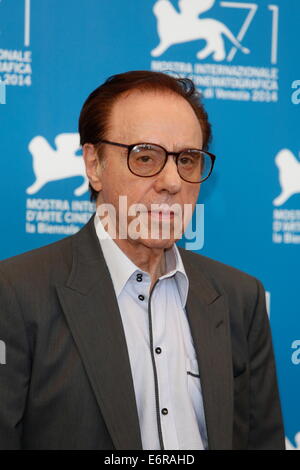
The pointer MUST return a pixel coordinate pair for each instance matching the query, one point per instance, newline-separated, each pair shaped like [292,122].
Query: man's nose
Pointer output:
[168,179]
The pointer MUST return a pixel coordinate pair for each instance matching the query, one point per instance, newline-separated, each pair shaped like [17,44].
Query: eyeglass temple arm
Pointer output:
[114,143]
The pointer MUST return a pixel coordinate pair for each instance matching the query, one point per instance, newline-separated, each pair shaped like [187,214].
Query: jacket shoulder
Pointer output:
[39,263]
[224,277]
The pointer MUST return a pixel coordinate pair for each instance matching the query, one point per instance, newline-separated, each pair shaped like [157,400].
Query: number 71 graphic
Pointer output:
[252,7]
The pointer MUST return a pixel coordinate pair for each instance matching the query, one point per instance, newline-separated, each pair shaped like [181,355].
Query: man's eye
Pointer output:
[144,158]
[186,160]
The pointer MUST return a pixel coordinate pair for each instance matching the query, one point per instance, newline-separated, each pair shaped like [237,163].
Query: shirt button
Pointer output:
[158,350]
[141,297]
[139,277]
[164,411]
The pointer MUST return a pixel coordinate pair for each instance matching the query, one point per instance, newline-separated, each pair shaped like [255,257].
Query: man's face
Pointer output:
[149,117]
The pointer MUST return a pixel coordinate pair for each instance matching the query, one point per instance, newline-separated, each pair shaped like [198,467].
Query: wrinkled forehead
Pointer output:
[153,116]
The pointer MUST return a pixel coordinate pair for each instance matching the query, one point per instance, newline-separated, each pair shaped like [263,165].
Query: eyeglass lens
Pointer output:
[147,160]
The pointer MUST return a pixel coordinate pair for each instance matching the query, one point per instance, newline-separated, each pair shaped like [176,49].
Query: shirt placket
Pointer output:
[165,412]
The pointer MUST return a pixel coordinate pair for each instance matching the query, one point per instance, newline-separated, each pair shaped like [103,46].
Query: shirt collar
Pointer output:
[121,268]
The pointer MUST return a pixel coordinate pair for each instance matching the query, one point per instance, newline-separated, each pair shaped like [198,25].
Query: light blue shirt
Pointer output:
[162,357]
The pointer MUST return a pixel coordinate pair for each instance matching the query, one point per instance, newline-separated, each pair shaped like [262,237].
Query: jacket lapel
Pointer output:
[91,309]
[207,313]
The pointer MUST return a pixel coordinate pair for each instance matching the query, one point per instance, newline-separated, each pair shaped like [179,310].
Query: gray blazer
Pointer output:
[67,381]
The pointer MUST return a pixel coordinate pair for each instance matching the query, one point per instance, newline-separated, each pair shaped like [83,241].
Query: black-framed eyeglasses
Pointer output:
[146,160]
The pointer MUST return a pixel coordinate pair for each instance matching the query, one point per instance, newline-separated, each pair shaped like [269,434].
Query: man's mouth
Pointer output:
[161,214]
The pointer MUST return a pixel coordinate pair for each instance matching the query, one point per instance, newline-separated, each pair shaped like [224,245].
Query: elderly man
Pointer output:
[129,342]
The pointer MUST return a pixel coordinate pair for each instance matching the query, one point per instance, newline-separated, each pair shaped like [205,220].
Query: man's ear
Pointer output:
[92,166]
